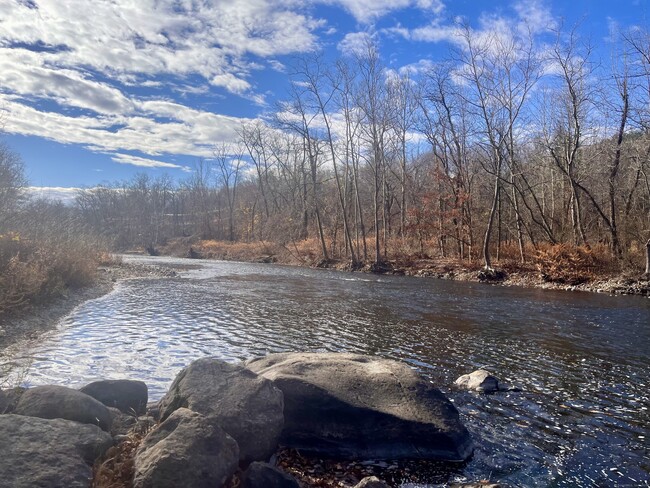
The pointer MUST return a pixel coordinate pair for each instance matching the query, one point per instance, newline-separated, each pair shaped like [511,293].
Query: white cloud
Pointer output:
[366,11]
[231,82]
[356,43]
[435,32]
[63,194]
[71,69]
[534,15]
[529,16]
[152,37]
[145,162]
[423,65]
[158,127]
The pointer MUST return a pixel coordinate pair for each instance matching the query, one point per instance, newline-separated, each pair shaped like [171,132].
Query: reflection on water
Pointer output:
[582,360]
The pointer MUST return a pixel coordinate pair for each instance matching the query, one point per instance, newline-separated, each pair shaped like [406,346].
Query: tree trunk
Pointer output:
[488,230]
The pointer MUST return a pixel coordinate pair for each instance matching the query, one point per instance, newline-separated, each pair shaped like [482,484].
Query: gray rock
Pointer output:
[127,395]
[246,406]
[48,452]
[59,402]
[361,407]
[480,380]
[186,450]
[263,475]
[124,423]
[153,409]
[11,397]
[4,402]
[371,482]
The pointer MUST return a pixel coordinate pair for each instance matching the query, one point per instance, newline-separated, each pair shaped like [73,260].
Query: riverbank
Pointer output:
[562,268]
[36,318]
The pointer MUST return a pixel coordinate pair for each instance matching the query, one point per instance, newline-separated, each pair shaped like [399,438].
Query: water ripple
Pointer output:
[581,360]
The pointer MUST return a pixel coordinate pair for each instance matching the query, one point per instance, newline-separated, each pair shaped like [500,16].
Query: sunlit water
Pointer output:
[581,360]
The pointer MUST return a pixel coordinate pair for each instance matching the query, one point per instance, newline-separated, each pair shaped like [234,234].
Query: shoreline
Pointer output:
[505,274]
[37,318]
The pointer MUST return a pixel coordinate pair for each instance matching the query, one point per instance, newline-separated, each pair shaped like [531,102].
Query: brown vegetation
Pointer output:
[116,469]
[45,248]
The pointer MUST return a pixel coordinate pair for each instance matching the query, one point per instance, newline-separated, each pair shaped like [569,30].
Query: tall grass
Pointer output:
[46,252]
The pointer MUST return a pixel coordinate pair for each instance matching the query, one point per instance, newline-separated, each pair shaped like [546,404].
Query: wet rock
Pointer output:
[361,407]
[491,275]
[127,395]
[59,402]
[186,450]
[371,482]
[479,380]
[246,406]
[48,452]
[263,475]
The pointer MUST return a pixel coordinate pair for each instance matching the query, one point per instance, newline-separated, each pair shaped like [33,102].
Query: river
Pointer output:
[581,360]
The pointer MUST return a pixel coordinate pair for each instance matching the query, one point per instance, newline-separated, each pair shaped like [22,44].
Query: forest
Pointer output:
[510,154]
[507,149]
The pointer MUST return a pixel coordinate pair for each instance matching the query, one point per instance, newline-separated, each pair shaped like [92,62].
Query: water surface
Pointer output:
[582,360]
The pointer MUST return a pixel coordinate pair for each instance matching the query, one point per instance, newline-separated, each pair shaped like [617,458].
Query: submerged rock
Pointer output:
[246,406]
[186,450]
[263,475]
[479,380]
[129,396]
[371,482]
[40,452]
[361,407]
[59,402]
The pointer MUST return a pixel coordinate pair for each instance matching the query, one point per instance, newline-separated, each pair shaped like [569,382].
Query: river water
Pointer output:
[581,360]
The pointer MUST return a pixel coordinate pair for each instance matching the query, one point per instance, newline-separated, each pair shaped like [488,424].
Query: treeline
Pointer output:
[509,148]
[45,246]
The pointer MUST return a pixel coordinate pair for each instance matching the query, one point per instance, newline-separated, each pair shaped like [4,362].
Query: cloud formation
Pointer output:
[100,73]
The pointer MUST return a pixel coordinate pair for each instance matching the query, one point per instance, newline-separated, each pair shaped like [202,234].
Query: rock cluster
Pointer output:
[220,419]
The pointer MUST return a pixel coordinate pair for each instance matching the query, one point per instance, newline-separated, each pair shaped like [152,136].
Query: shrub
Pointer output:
[45,259]
[572,265]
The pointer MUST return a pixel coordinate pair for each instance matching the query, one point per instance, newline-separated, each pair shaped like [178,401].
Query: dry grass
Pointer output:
[116,468]
[573,265]
[33,270]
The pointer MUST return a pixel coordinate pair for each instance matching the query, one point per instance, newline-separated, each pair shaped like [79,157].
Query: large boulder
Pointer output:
[246,406]
[185,450]
[4,402]
[48,452]
[11,398]
[59,402]
[129,396]
[263,475]
[479,380]
[361,407]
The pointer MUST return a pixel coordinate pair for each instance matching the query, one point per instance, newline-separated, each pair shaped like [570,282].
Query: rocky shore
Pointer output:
[506,273]
[232,425]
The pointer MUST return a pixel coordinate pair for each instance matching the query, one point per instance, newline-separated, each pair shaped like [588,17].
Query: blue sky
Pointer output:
[96,91]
